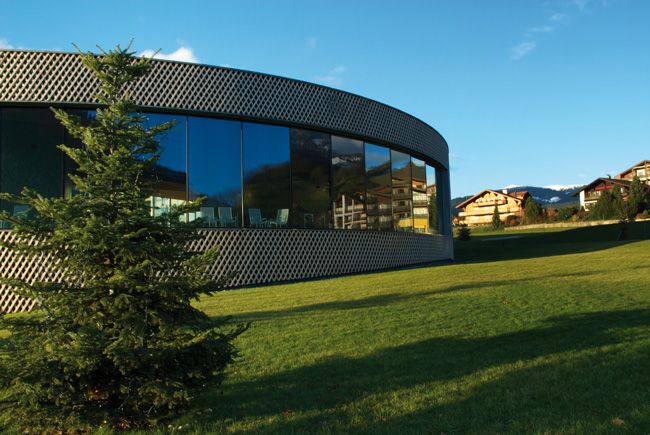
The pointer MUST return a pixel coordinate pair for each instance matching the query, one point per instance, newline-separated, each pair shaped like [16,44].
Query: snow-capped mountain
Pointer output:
[572,187]
[555,195]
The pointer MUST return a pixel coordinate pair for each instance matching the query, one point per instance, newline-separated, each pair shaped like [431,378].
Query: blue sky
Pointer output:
[525,92]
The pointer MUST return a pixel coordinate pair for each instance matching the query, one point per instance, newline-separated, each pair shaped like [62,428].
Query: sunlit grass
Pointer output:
[545,333]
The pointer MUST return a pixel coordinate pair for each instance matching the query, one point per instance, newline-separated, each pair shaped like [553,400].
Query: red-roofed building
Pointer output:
[590,193]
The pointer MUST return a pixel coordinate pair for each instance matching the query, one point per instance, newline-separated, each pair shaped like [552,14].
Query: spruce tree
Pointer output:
[497,224]
[533,212]
[116,342]
[607,207]
[635,199]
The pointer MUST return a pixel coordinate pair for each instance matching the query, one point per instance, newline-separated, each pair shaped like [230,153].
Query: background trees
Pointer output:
[636,199]
[533,212]
[117,341]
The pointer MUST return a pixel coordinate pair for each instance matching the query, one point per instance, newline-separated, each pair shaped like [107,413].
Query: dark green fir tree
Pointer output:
[533,212]
[116,342]
[497,223]
[636,199]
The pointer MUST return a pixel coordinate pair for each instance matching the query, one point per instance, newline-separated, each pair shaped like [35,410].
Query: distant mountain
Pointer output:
[553,196]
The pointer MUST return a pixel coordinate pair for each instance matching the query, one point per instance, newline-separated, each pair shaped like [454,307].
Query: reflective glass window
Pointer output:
[379,186]
[170,173]
[402,198]
[310,179]
[420,199]
[348,184]
[29,156]
[214,169]
[267,186]
[432,201]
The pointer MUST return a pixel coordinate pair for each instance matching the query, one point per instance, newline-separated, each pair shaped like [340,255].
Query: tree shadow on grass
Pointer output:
[392,298]
[585,388]
[532,245]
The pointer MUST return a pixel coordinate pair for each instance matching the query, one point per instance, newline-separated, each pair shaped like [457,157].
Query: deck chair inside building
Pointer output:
[225,217]
[255,218]
[281,218]
[207,214]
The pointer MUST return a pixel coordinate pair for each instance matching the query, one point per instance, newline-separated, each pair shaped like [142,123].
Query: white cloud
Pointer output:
[580,4]
[522,49]
[532,34]
[541,29]
[182,54]
[557,18]
[333,78]
[330,80]
[4,44]
[311,43]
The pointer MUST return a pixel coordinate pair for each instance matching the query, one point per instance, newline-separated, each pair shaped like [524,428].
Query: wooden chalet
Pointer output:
[590,194]
[641,170]
[478,209]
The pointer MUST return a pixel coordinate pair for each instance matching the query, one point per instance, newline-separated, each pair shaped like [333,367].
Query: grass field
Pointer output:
[543,333]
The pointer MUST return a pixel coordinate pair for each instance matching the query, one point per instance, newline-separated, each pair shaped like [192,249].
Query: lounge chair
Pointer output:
[225,217]
[207,214]
[281,218]
[255,218]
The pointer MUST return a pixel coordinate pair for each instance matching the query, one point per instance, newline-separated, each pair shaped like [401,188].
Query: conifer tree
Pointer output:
[609,205]
[497,224]
[635,199]
[533,212]
[116,342]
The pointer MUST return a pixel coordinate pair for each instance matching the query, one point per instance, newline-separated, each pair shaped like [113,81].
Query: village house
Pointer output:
[478,209]
[590,193]
[641,170]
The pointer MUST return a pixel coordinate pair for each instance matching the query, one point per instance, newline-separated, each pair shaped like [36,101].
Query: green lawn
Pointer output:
[544,333]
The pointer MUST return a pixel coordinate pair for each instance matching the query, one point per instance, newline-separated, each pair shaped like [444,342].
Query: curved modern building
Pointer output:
[301,180]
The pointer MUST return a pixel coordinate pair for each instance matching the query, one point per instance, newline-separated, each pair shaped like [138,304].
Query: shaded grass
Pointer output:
[556,342]
[543,242]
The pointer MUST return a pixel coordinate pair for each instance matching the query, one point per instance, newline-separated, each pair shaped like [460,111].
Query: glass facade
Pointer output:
[433,202]
[310,179]
[420,200]
[348,184]
[402,196]
[249,174]
[170,173]
[379,188]
[214,167]
[29,156]
[267,176]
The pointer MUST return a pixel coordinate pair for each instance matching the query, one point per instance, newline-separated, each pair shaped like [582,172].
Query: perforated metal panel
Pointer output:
[257,255]
[14,266]
[260,256]
[46,77]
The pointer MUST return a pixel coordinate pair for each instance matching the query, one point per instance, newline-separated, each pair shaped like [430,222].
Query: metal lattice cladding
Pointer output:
[262,256]
[61,78]
[258,256]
